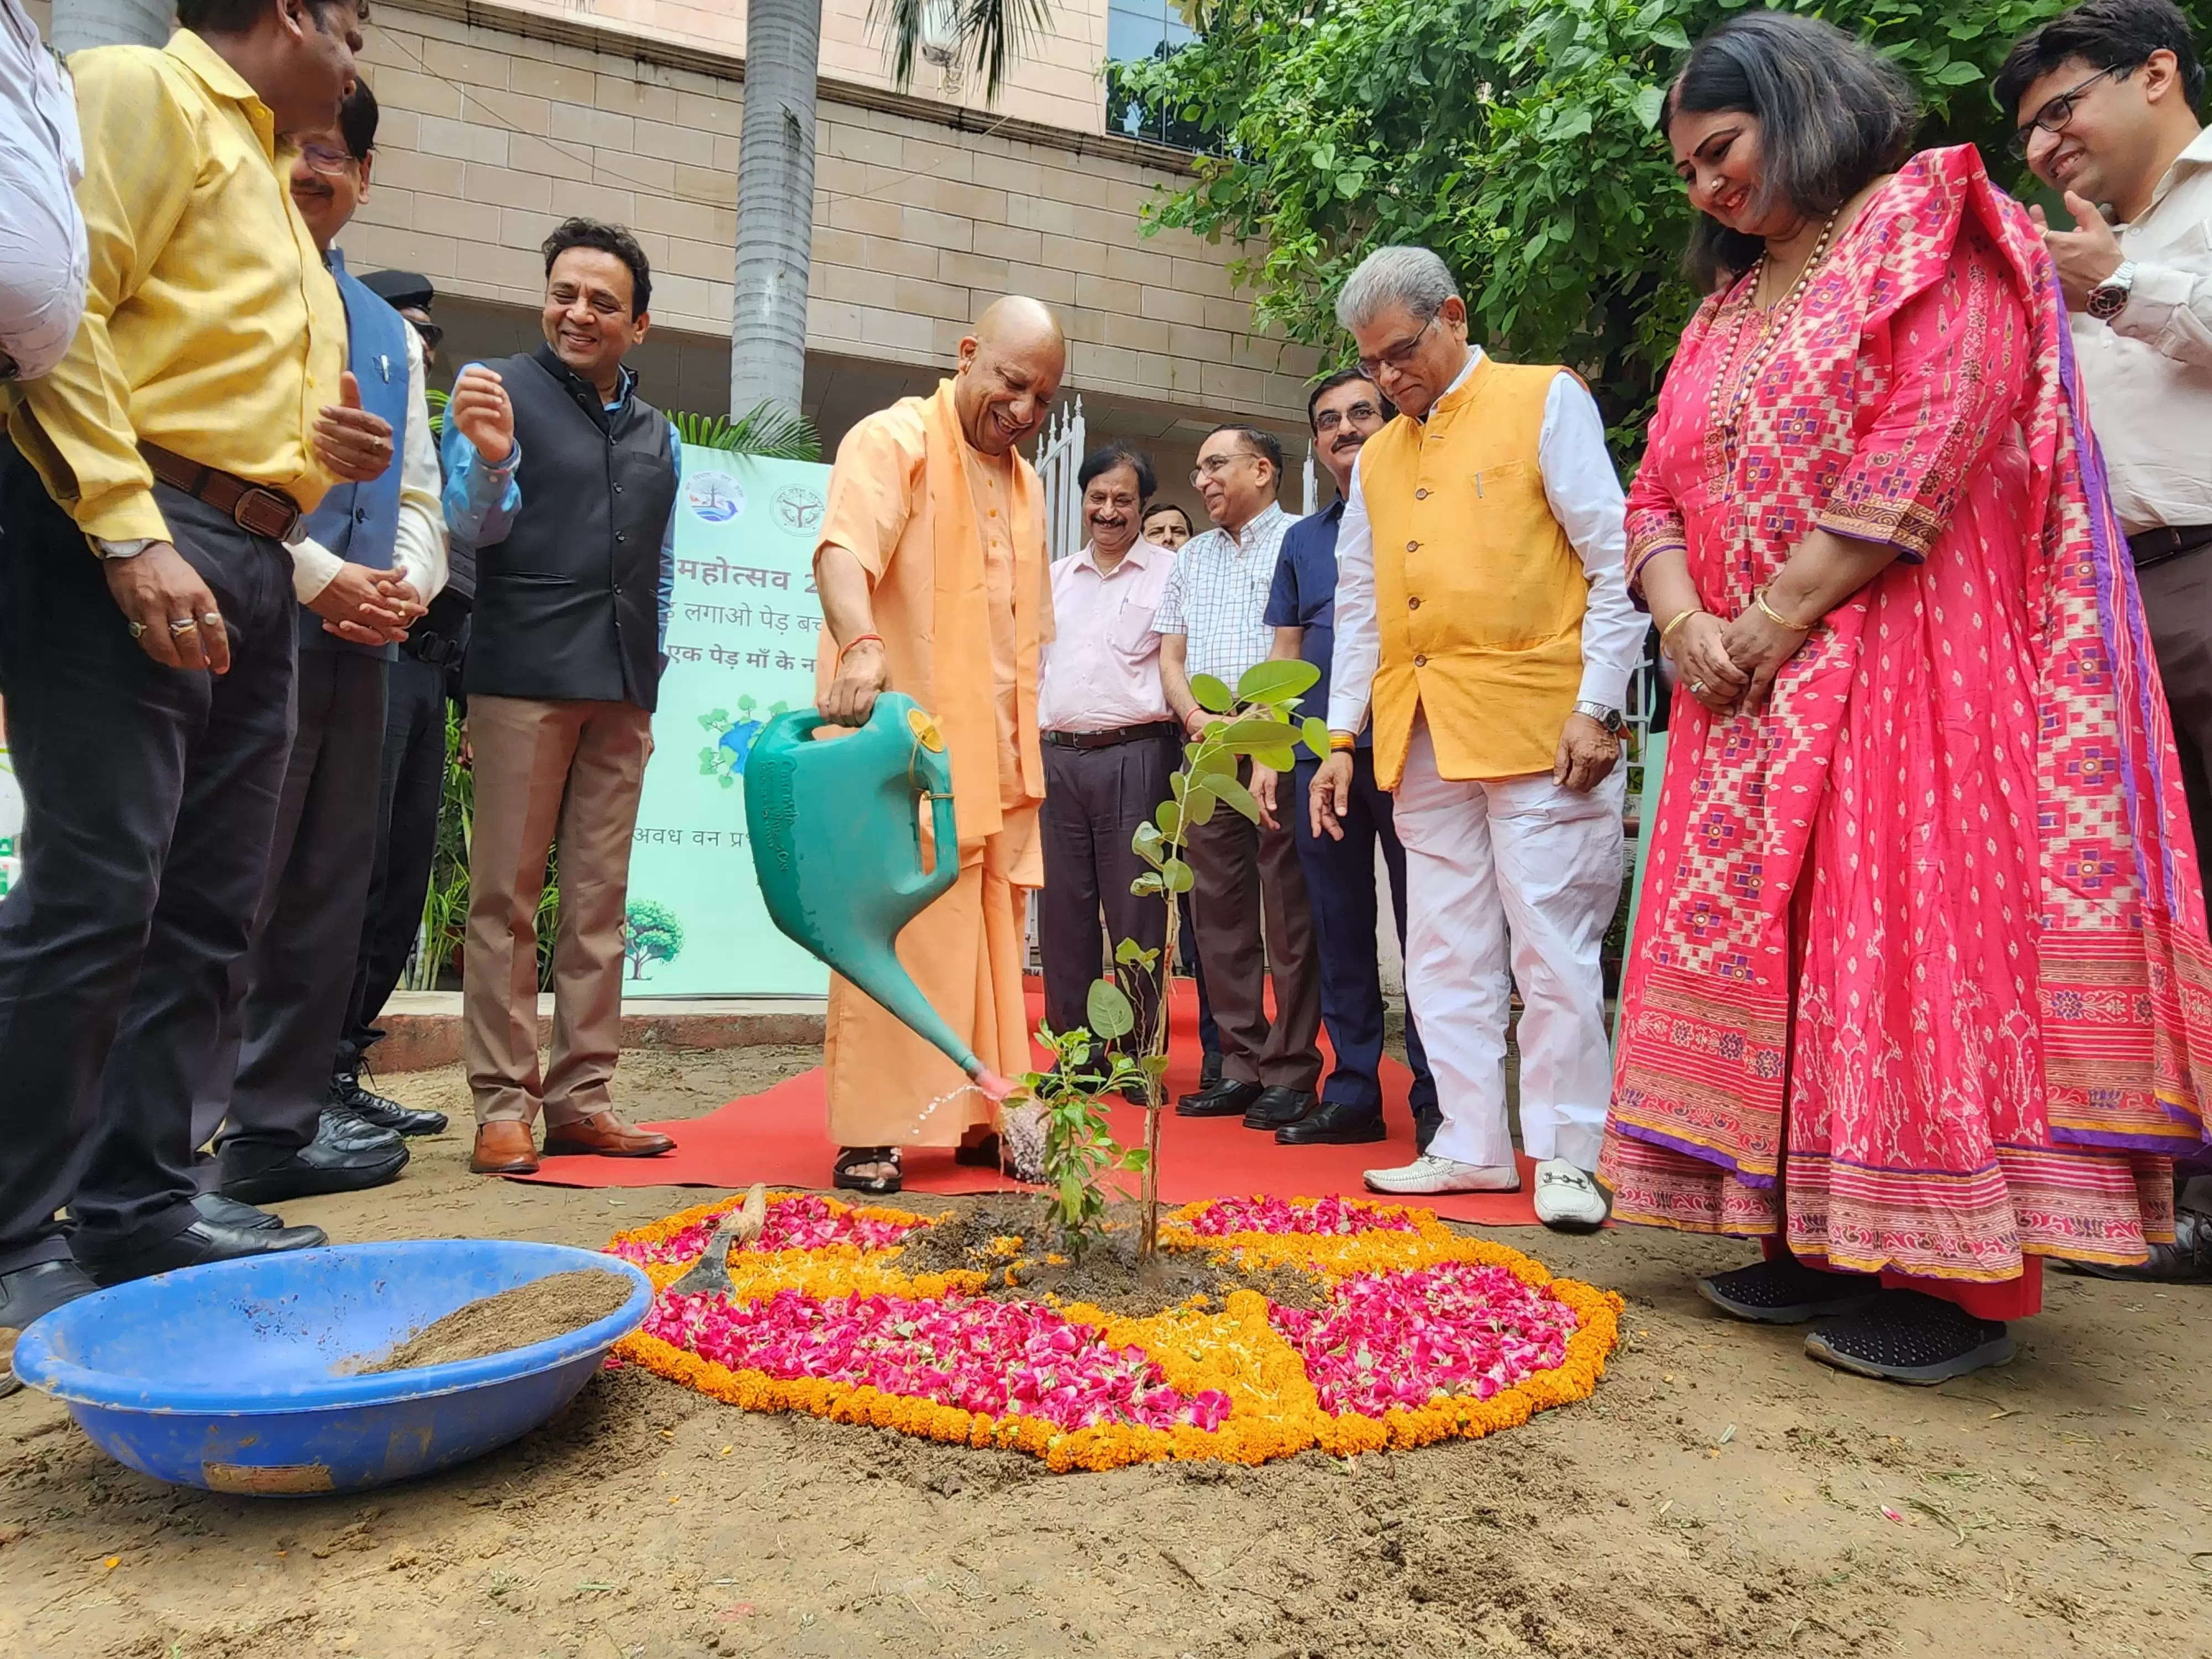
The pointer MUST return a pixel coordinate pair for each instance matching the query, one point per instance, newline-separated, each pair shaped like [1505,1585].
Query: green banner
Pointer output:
[741,646]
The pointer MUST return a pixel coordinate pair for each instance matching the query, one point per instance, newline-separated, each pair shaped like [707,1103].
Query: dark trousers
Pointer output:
[272,1068]
[1341,884]
[414,786]
[2177,595]
[149,795]
[1239,868]
[1094,800]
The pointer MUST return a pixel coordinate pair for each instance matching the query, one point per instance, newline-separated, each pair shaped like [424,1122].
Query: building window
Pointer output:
[1138,31]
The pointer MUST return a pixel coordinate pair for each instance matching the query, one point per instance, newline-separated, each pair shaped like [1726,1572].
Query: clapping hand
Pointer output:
[350,442]
[480,408]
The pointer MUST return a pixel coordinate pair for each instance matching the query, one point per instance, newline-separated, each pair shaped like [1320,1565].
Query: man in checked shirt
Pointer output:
[1212,619]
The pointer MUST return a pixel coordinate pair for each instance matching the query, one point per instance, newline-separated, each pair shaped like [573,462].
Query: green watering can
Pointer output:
[837,847]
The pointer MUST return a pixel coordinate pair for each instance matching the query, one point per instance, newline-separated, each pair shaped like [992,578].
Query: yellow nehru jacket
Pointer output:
[1478,594]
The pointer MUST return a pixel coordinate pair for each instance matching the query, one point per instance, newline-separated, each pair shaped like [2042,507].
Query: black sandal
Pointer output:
[850,1158]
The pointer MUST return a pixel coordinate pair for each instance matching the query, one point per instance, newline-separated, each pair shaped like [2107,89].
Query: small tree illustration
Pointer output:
[651,932]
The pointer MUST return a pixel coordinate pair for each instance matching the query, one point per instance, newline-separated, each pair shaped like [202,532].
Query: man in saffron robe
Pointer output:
[934,535]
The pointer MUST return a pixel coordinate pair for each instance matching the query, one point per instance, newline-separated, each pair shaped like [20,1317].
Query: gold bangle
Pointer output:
[1759,598]
[1677,620]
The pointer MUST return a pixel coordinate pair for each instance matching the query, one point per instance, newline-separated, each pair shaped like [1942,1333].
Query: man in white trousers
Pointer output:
[1481,609]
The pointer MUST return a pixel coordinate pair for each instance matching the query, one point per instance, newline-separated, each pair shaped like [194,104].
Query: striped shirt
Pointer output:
[1217,597]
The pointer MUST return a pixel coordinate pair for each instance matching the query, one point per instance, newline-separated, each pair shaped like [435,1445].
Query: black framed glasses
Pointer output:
[2055,114]
[1399,355]
[1330,419]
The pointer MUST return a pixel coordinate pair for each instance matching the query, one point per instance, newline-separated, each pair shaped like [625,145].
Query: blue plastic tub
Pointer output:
[227,1377]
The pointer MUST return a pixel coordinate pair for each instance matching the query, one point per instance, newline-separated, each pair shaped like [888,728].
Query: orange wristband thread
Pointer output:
[1338,743]
[857,640]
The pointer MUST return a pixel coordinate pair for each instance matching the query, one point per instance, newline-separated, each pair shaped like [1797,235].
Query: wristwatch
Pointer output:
[1608,718]
[2106,299]
[130,548]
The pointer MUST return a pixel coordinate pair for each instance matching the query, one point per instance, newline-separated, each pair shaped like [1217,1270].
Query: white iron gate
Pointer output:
[1059,458]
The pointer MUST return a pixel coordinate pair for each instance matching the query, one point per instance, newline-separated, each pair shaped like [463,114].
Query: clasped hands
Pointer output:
[1729,666]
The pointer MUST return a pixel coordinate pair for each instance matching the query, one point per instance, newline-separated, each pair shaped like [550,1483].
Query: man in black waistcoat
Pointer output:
[574,567]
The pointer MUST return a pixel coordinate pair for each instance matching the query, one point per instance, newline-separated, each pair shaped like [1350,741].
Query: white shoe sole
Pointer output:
[1433,1187]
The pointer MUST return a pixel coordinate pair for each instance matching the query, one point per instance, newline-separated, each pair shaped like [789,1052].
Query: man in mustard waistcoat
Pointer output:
[1482,608]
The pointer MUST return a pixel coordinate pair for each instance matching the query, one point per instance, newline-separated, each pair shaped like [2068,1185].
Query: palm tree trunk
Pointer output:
[775,204]
[81,23]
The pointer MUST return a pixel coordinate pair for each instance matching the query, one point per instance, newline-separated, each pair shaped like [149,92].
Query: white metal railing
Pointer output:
[1059,458]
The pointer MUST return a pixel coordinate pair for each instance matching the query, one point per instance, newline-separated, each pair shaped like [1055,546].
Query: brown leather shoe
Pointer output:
[503,1148]
[605,1135]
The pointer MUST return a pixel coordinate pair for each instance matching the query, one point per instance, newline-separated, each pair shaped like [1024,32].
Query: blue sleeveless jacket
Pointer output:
[361,522]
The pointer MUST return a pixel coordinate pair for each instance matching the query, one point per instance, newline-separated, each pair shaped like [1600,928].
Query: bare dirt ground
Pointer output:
[1720,1496]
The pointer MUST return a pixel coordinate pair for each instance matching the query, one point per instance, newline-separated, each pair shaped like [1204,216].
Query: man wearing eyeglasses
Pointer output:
[2103,97]
[425,675]
[284,1139]
[1481,606]
[150,484]
[1211,620]
[1346,409]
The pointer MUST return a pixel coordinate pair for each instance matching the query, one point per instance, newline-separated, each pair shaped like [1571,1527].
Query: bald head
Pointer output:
[1010,370]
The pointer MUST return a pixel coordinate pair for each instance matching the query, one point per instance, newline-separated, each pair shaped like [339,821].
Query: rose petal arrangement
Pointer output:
[1423,1334]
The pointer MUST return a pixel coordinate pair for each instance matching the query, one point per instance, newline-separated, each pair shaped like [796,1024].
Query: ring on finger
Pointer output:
[1696,688]
[183,625]
[211,618]
[135,627]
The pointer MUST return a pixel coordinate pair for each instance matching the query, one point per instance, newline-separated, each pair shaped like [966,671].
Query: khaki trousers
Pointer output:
[570,771]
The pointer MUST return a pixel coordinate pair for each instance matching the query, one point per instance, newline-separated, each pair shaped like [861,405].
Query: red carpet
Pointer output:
[779,1137]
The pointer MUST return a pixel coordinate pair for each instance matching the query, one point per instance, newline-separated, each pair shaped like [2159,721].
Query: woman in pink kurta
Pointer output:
[1921,986]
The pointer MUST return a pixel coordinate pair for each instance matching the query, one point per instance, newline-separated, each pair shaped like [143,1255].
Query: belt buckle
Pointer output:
[265,513]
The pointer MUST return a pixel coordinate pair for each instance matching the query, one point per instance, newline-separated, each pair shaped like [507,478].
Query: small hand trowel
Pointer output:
[710,1274]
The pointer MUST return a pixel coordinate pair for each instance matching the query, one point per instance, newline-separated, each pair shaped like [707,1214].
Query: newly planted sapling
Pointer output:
[1079,1149]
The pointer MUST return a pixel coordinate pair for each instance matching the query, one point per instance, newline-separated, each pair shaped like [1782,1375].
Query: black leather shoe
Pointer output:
[1209,1069]
[321,1166]
[1227,1098]
[198,1245]
[1334,1124]
[30,1293]
[230,1212]
[1277,1107]
[347,1095]
[338,1127]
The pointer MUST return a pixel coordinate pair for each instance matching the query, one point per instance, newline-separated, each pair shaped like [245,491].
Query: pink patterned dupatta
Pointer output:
[1920,978]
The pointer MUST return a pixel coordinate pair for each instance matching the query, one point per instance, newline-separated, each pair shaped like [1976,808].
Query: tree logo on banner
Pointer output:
[651,932]
[724,760]
[715,496]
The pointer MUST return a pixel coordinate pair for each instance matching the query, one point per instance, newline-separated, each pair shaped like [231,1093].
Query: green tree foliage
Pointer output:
[651,932]
[1520,142]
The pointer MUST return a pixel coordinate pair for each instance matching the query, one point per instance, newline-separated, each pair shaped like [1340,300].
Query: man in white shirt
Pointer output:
[1109,740]
[2102,100]
[1481,607]
[271,1073]
[42,246]
[1212,619]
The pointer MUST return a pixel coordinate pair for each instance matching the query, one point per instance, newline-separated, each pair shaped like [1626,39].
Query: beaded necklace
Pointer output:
[1739,373]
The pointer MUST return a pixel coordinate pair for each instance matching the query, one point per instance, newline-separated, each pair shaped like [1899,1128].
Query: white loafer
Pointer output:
[1431,1174]
[1568,1200]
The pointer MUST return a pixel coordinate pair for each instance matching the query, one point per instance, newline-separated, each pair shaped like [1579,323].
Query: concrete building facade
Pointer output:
[499,120]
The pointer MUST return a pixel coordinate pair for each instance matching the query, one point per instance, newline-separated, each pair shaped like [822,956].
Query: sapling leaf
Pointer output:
[1178,876]
[1315,733]
[1198,805]
[1238,796]
[1109,1010]
[1147,885]
[1170,818]
[1274,680]
[1147,843]
[1214,695]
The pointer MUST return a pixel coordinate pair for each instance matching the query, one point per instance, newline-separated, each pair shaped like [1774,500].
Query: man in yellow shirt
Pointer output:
[147,490]
[934,537]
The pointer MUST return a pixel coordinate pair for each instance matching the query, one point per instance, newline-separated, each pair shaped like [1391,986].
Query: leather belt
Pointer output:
[1119,734]
[254,508]
[2152,547]
[427,646]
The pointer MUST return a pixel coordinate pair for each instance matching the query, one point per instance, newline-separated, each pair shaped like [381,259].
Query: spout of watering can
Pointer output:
[993,1087]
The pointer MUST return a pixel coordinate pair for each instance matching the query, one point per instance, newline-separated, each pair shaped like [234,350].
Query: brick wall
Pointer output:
[491,134]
